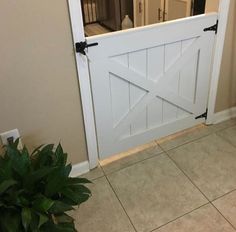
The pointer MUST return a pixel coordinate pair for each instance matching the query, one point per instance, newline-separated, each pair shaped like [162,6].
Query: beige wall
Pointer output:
[39,91]
[212,5]
[226,95]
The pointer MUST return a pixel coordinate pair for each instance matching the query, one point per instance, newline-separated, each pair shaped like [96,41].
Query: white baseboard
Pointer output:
[79,169]
[224,115]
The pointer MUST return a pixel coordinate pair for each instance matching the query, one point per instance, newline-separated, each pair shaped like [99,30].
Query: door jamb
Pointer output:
[217,58]
[85,85]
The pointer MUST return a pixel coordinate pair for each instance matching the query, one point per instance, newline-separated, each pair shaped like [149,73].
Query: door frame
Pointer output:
[84,79]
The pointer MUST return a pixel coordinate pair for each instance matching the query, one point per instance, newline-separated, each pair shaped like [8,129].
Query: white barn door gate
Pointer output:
[150,82]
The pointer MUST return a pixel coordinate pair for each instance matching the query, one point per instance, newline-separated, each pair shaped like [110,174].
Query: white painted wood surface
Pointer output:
[84,81]
[150,82]
[217,59]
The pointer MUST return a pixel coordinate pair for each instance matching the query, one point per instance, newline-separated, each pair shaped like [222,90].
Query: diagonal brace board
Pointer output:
[154,89]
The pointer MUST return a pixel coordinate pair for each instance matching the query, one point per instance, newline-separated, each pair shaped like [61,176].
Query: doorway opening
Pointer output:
[104,16]
[96,56]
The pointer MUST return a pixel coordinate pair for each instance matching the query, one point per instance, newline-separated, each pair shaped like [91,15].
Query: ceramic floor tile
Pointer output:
[210,163]
[184,137]
[102,212]
[130,159]
[154,192]
[229,134]
[94,173]
[204,219]
[223,125]
[227,206]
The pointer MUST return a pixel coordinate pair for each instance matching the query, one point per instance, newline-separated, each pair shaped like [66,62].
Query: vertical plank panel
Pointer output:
[120,95]
[188,77]
[155,68]
[137,62]
[172,53]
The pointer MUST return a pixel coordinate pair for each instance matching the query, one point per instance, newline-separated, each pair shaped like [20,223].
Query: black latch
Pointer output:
[81,46]
[204,115]
[212,28]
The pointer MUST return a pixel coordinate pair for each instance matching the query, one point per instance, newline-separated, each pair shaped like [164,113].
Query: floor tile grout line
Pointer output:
[165,151]
[210,133]
[96,178]
[223,216]
[179,217]
[187,177]
[191,141]
[225,139]
[227,127]
[121,204]
[130,165]
[224,195]
[199,190]
[210,202]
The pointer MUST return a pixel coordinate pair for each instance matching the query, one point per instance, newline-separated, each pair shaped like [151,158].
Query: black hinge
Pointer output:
[212,28]
[81,46]
[204,115]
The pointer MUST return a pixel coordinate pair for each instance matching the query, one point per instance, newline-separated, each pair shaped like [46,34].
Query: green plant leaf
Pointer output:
[43,204]
[36,191]
[16,143]
[63,218]
[10,221]
[81,189]
[61,157]
[6,184]
[34,221]
[12,152]
[67,170]
[22,163]
[70,195]
[43,218]
[77,180]
[44,156]
[6,171]
[37,149]
[26,217]
[76,196]
[65,227]
[36,176]
[60,207]
[57,180]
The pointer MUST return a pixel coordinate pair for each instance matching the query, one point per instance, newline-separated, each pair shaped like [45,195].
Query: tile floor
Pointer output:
[186,183]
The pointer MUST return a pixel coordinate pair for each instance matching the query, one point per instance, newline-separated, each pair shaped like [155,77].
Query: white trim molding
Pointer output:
[217,59]
[224,115]
[79,169]
[84,83]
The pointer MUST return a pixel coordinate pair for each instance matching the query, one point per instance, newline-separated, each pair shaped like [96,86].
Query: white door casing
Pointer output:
[150,82]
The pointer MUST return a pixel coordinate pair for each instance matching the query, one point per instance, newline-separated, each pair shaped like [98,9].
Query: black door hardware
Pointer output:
[204,115]
[81,46]
[212,28]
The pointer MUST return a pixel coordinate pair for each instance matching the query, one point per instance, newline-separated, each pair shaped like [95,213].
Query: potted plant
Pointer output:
[36,191]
